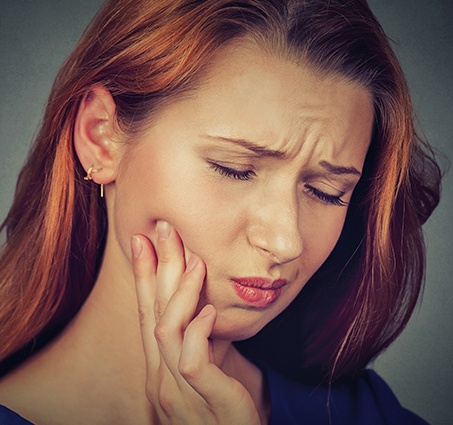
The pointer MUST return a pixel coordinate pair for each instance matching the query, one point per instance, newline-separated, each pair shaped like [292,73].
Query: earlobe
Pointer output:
[95,134]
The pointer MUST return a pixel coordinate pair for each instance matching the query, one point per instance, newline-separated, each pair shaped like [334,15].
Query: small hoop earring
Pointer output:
[90,171]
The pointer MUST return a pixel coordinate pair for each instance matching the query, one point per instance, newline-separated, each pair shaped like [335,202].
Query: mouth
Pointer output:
[257,291]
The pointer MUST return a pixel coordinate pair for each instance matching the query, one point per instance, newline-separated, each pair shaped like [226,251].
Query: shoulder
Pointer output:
[8,417]
[367,400]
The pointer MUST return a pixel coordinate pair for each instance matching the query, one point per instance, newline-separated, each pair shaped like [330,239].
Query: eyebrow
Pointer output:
[262,151]
[339,169]
[259,150]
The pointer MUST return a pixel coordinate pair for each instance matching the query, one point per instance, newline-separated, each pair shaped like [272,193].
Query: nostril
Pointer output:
[280,251]
[268,253]
[274,231]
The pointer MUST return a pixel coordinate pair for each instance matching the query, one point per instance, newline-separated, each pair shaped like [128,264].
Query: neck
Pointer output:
[113,307]
[99,358]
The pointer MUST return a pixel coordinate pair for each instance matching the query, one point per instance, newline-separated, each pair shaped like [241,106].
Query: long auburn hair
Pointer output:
[145,52]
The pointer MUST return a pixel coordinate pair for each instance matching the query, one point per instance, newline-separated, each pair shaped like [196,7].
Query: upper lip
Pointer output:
[260,282]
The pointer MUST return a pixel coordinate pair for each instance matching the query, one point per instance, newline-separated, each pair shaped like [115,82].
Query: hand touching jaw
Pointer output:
[254,170]
[182,376]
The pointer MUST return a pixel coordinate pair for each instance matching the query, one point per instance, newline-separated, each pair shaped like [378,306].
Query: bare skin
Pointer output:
[61,372]
[242,186]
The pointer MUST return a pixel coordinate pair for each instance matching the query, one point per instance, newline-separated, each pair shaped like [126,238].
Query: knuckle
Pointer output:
[160,305]
[150,391]
[165,398]
[141,266]
[189,369]
[138,271]
[161,332]
[164,256]
[144,314]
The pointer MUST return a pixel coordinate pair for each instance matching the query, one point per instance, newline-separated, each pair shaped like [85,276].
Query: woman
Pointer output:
[253,168]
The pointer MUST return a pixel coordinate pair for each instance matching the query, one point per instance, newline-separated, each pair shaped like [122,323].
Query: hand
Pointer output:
[183,384]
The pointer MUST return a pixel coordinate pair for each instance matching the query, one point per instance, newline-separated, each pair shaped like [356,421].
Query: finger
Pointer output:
[180,310]
[144,266]
[195,358]
[206,378]
[171,265]
[183,303]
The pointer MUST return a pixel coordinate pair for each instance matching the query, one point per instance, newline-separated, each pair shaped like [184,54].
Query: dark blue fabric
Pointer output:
[367,401]
[7,417]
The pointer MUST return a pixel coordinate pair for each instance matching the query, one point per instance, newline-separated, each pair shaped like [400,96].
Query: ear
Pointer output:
[94,134]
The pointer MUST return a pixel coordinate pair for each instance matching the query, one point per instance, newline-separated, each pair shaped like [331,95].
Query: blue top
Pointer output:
[8,417]
[367,401]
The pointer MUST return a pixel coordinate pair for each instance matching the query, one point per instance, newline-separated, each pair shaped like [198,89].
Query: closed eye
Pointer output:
[326,197]
[249,174]
[231,172]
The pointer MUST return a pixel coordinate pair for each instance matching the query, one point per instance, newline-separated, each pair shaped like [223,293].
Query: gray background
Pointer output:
[35,37]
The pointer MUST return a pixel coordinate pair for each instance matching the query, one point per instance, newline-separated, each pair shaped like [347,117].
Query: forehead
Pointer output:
[274,98]
[248,93]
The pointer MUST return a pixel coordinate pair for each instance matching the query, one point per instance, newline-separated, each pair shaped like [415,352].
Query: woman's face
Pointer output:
[254,170]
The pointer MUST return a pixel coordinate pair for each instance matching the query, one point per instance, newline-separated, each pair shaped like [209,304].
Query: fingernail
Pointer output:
[163,229]
[206,311]
[193,261]
[136,246]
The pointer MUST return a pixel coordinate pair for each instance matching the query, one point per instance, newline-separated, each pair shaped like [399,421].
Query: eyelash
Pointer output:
[249,174]
[325,197]
[231,173]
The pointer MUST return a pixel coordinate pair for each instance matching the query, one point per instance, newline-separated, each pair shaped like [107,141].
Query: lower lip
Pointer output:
[257,297]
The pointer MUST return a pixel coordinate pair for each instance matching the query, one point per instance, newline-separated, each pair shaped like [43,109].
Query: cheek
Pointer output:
[168,185]
[143,194]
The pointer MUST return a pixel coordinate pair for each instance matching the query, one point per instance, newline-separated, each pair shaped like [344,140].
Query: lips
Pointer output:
[258,292]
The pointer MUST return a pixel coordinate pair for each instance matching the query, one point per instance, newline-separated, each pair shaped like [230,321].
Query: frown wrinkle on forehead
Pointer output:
[302,110]
[261,151]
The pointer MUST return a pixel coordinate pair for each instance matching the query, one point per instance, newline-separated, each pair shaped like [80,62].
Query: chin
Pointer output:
[235,329]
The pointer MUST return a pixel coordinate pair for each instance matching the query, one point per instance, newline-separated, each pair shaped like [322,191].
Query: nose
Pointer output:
[274,227]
